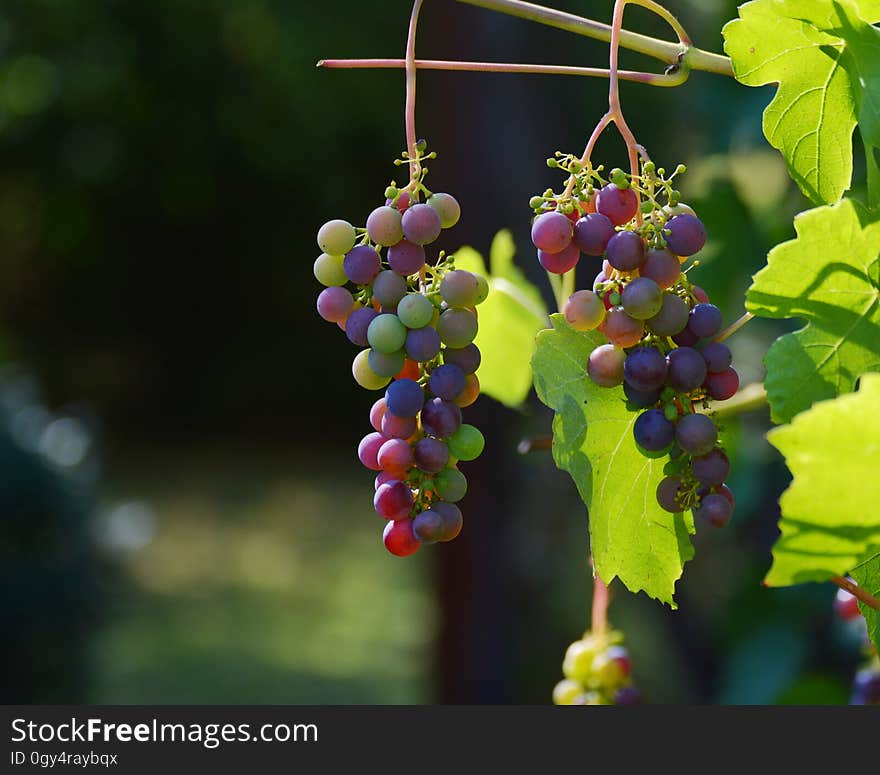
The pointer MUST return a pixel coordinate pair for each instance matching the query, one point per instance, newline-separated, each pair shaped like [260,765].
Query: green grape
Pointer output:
[386,333]
[364,375]
[578,662]
[460,288]
[566,691]
[447,208]
[386,364]
[415,310]
[466,443]
[483,293]
[336,237]
[451,484]
[328,270]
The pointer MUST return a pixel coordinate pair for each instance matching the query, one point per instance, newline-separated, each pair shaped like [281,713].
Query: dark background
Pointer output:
[184,519]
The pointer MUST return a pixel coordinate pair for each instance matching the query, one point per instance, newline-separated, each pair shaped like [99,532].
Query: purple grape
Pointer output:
[395,427]
[627,695]
[641,399]
[686,337]
[714,510]
[687,369]
[722,385]
[361,264]
[452,519]
[866,687]
[560,263]
[605,365]
[653,431]
[421,224]
[705,320]
[551,232]
[447,381]
[393,500]
[619,205]
[334,304]
[641,298]
[388,288]
[404,397]
[428,526]
[405,258]
[669,493]
[717,356]
[431,455]
[626,251]
[592,232]
[696,434]
[422,344]
[672,318]
[711,468]
[357,324]
[662,267]
[440,418]
[466,358]
[383,226]
[645,369]
[686,234]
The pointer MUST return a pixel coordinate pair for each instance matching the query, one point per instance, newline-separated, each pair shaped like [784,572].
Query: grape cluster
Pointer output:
[416,320]
[866,685]
[597,672]
[659,326]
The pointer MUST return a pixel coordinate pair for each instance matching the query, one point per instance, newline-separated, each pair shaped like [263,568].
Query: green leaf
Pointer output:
[867,576]
[830,520]
[829,276]
[631,537]
[509,319]
[818,52]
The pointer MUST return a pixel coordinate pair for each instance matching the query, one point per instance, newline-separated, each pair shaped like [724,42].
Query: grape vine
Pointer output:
[635,367]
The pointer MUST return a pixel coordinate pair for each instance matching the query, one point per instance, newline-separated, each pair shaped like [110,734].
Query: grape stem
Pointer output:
[681,54]
[734,327]
[601,598]
[674,78]
[856,591]
[410,110]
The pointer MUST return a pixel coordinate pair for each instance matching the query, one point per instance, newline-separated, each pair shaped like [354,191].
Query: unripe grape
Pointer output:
[421,224]
[607,671]
[334,304]
[364,375]
[389,288]
[386,333]
[451,484]
[384,226]
[336,237]
[566,691]
[447,208]
[578,662]
[621,329]
[457,327]
[642,298]
[399,538]
[467,443]
[678,209]
[415,310]
[328,270]
[483,289]
[460,288]
[605,365]
[386,364]
[551,232]
[584,311]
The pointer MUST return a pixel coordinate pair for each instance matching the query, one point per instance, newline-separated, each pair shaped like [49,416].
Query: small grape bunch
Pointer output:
[659,326]
[416,319]
[597,672]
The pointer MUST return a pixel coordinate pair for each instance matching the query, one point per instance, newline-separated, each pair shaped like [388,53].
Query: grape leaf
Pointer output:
[631,537]
[829,276]
[819,52]
[867,576]
[509,319]
[830,520]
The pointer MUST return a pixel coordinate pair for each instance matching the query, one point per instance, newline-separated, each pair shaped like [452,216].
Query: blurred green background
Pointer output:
[184,519]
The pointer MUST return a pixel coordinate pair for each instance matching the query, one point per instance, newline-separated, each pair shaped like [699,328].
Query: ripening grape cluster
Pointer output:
[659,326]
[866,684]
[597,672]
[416,320]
